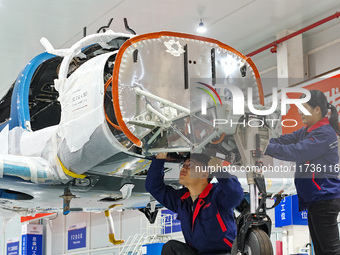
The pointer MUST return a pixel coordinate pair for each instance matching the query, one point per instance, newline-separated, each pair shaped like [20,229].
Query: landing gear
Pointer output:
[257,243]
[253,231]
[253,224]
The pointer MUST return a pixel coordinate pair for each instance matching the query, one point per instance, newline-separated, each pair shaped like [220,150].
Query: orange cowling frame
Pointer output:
[107,84]
[115,75]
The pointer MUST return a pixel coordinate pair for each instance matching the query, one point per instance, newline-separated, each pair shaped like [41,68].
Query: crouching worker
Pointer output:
[204,209]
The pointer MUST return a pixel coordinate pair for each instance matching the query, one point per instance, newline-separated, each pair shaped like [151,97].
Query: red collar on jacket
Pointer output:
[203,194]
[320,123]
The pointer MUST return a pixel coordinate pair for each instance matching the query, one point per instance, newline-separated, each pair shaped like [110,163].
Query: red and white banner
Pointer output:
[329,84]
[36,217]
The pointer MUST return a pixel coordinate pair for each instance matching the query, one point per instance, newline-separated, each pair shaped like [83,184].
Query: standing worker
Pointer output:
[314,148]
[204,209]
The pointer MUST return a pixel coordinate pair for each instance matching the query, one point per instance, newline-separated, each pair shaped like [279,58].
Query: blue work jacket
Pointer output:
[315,151]
[208,224]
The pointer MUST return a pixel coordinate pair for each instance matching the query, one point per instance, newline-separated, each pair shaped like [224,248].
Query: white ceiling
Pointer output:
[243,24]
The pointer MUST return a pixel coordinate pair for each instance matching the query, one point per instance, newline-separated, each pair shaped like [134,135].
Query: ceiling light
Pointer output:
[201,28]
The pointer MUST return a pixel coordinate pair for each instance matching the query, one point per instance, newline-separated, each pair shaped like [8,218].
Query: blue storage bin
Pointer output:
[152,249]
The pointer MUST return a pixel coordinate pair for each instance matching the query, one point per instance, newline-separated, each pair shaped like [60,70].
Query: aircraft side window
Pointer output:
[5,105]
[44,106]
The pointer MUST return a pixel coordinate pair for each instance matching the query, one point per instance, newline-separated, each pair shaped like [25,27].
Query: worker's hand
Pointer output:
[215,162]
[161,155]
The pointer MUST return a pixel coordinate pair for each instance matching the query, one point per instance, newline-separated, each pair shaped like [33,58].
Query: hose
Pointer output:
[107,84]
[219,140]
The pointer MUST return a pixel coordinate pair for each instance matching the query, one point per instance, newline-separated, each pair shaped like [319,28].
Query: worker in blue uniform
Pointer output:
[314,148]
[204,209]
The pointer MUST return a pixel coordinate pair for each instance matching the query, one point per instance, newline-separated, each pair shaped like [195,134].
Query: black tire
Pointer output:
[257,243]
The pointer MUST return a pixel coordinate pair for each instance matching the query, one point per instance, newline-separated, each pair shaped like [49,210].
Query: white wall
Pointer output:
[7,231]
[127,224]
[96,233]
[56,227]
[321,52]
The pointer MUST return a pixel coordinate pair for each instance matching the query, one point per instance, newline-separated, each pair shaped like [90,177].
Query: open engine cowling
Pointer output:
[156,103]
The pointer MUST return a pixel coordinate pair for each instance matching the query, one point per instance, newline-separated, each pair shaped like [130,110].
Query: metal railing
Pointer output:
[150,233]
